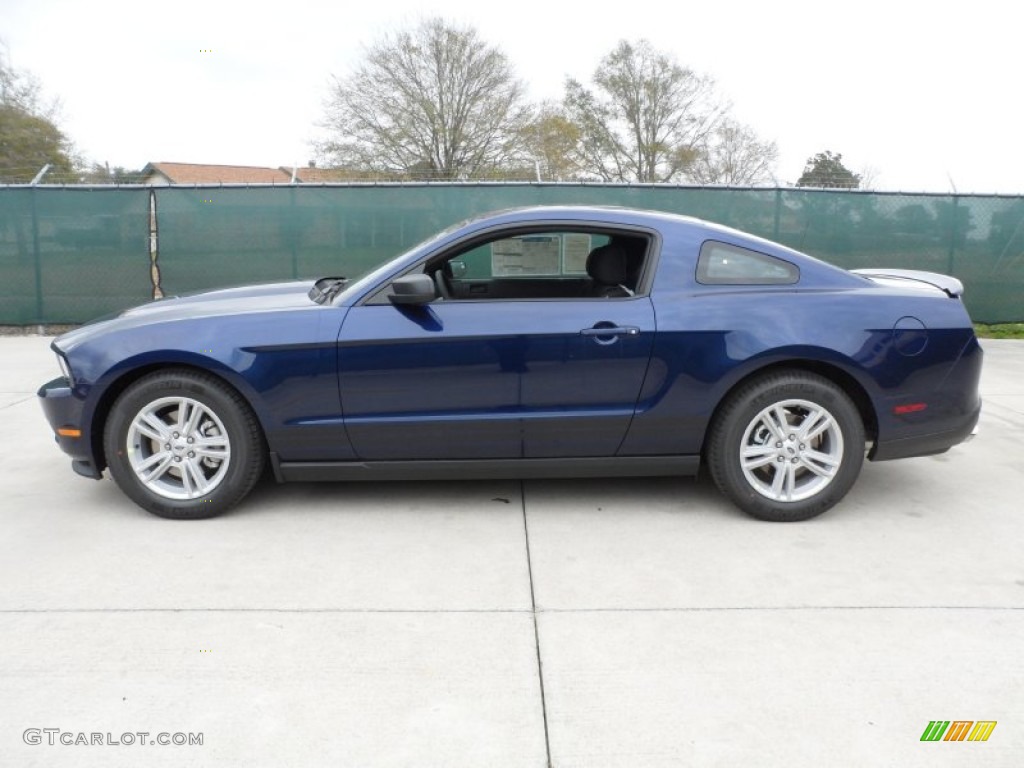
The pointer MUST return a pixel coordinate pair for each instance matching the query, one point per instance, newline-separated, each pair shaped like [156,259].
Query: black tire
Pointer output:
[785,488]
[197,486]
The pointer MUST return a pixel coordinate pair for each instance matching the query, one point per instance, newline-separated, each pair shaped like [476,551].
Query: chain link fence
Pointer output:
[69,254]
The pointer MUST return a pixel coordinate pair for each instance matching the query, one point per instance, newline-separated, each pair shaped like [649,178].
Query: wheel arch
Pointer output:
[128,377]
[833,373]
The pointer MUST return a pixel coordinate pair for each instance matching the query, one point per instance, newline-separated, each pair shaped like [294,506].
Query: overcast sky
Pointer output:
[925,94]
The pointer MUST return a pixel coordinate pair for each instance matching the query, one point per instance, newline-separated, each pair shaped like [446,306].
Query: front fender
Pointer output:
[283,364]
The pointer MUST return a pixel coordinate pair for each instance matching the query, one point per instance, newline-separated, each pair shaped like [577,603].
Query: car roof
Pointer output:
[617,215]
[610,214]
[606,213]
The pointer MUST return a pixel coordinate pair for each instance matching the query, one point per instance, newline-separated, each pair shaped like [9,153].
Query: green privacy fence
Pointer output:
[68,254]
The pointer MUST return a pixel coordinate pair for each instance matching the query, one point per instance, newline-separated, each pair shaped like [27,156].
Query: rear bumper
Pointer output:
[950,418]
[64,412]
[931,444]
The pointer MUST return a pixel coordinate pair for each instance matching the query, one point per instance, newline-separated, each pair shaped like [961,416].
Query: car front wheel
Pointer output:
[183,445]
[786,446]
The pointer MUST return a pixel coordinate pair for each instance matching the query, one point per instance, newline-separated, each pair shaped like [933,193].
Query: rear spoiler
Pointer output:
[948,285]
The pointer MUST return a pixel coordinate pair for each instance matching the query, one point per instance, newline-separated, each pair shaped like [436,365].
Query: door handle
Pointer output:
[611,330]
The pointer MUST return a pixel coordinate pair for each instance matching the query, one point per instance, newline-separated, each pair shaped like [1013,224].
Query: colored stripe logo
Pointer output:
[958,730]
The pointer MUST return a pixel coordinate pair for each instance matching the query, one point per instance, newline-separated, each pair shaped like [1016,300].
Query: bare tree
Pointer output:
[22,90]
[869,175]
[646,117]
[30,137]
[434,101]
[734,155]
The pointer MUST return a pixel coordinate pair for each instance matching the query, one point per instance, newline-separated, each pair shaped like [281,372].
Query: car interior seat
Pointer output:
[609,269]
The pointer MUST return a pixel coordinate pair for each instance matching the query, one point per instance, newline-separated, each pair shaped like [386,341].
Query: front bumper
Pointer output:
[64,412]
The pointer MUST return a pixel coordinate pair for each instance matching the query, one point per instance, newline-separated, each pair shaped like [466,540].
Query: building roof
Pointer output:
[197,173]
[308,175]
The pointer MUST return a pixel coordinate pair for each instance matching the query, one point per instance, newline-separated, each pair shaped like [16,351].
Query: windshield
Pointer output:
[357,280]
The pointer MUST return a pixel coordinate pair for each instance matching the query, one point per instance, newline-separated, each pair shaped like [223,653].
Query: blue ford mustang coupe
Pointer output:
[539,342]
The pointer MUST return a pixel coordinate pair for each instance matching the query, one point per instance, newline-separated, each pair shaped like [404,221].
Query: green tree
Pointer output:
[1006,229]
[550,140]
[826,169]
[645,118]
[955,221]
[914,219]
[434,101]
[29,135]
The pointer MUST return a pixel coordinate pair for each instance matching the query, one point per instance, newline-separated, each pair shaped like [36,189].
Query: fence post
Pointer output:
[952,233]
[37,258]
[154,248]
[293,229]
[778,213]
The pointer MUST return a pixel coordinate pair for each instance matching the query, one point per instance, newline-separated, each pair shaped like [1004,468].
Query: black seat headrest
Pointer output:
[608,264]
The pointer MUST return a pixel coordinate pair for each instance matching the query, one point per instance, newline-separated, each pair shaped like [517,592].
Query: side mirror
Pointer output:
[412,289]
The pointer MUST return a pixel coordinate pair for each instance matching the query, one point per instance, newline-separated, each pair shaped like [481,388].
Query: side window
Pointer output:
[545,254]
[544,264]
[723,264]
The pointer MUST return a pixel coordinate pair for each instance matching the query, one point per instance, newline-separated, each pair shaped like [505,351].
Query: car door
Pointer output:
[493,379]
[432,382]
[524,354]
[583,368]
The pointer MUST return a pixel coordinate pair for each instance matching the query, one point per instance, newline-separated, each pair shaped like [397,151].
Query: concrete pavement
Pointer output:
[640,622]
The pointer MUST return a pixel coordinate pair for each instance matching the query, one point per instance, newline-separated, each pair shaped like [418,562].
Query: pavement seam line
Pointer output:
[719,609]
[17,402]
[774,608]
[263,610]
[536,631]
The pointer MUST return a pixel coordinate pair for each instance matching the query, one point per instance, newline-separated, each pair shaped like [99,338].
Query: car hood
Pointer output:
[294,293]
[267,297]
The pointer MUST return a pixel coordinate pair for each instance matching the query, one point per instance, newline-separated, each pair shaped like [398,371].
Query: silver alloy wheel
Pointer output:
[178,448]
[791,450]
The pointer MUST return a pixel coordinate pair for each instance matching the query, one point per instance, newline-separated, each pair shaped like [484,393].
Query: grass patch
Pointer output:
[999,331]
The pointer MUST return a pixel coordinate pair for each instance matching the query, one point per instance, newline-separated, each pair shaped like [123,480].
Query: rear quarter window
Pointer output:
[724,264]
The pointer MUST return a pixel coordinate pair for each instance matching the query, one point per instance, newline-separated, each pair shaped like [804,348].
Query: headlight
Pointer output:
[65,369]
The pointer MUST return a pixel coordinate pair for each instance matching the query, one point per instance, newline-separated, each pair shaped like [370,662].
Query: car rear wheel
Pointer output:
[787,446]
[183,445]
